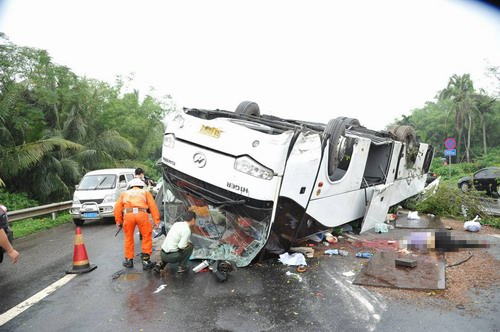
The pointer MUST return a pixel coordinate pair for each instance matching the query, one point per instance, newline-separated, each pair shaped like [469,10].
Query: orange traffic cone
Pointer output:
[80,260]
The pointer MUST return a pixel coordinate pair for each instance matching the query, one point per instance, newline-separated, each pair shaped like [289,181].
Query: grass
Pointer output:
[448,201]
[30,226]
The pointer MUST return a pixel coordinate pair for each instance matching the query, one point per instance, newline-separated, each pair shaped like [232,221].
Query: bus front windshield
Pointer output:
[227,230]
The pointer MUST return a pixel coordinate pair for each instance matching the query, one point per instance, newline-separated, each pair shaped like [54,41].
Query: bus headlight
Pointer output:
[169,141]
[251,167]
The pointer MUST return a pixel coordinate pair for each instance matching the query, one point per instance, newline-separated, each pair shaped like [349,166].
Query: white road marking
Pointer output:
[355,292]
[12,313]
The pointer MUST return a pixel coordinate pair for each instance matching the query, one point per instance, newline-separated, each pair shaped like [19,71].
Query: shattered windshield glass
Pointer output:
[228,230]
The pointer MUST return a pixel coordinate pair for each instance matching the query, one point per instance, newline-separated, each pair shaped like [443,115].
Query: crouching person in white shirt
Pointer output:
[177,247]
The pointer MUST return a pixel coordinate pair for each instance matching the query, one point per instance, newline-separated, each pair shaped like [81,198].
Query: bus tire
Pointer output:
[336,129]
[248,108]
[405,134]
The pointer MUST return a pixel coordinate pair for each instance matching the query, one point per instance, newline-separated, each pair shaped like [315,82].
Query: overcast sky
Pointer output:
[309,60]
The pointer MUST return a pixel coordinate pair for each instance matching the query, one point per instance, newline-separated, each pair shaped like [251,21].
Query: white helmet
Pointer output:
[136,183]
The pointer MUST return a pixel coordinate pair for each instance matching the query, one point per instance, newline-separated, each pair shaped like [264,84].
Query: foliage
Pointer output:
[25,227]
[449,201]
[445,202]
[16,201]
[56,126]
[452,173]
[469,116]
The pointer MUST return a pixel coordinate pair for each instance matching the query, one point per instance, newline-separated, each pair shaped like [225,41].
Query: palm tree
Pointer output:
[460,93]
[484,105]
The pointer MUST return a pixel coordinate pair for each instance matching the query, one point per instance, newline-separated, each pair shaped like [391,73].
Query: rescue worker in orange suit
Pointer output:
[131,209]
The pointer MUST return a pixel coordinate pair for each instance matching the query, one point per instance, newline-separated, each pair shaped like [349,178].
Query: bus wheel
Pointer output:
[405,134]
[336,147]
[248,108]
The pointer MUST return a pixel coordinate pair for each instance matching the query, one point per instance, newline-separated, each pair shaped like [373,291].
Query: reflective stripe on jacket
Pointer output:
[136,198]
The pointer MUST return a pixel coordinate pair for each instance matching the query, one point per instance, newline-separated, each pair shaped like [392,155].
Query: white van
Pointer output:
[97,192]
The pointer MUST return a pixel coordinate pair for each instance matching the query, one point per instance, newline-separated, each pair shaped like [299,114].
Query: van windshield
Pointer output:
[96,182]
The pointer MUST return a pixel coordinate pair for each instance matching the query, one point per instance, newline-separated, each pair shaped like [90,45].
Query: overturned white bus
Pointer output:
[255,179]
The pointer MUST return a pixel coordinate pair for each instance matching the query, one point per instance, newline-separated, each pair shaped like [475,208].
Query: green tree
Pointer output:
[48,125]
[460,92]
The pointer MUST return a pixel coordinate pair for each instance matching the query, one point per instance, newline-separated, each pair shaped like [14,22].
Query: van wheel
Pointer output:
[78,222]
[336,129]
[248,108]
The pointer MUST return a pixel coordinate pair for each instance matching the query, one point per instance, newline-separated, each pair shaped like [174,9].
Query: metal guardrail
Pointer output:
[38,211]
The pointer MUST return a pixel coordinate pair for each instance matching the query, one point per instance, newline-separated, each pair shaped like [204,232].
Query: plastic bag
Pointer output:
[473,225]
[413,215]
[381,228]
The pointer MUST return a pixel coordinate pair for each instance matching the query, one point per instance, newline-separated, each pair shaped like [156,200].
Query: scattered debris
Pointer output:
[472,275]
[201,266]
[348,274]
[330,238]
[301,268]
[160,288]
[391,217]
[407,262]
[413,215]
[293,259]
[473,225]
[295,275]
[381,228]
[336,252]
[309,252]
[364,255]
[117,274]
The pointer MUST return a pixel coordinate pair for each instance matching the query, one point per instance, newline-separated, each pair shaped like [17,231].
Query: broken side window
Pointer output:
[377,164]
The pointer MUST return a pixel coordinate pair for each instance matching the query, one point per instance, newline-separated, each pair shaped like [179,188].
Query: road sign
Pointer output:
[450,144]
[450,152]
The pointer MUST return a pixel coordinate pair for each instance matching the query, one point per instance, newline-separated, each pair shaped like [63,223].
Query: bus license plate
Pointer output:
[210,131]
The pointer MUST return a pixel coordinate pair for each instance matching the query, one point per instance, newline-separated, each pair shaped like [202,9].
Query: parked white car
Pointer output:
[97,192]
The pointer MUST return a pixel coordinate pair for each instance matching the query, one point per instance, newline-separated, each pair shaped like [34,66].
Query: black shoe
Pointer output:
[148,265]
[158,267]
[182,269]
[128,262]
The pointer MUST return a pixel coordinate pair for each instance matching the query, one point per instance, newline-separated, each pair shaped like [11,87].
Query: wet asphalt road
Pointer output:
[260,297]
